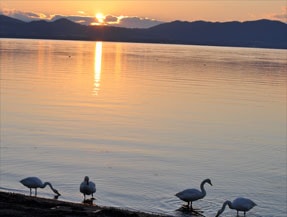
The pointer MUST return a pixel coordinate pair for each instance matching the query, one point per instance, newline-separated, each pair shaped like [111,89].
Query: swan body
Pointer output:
[87,187]
[239,204]
[190,195]
[35,182]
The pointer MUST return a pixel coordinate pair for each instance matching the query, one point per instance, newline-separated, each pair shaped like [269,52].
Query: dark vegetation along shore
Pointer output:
[258,33]
[18,205]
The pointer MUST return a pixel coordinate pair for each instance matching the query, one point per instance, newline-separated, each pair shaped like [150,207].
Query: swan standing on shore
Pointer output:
[190,195]
[87,187]
[239,204]
[35,182]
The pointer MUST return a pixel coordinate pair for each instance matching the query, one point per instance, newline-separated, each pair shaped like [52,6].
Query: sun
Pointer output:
[100,17]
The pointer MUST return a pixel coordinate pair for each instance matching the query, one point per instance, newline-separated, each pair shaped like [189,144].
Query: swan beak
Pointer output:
[56,192]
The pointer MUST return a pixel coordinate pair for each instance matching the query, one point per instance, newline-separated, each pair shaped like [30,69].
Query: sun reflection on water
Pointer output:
[98,67]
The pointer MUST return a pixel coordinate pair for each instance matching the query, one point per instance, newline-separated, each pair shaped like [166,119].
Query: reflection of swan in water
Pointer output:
[239,204]
[87,187]
[190,195]
[187,212]
[35,182]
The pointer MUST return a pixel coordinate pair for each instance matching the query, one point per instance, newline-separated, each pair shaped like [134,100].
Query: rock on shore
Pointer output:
[18,205]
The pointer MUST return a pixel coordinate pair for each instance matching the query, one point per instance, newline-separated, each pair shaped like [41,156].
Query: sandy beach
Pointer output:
[18,205]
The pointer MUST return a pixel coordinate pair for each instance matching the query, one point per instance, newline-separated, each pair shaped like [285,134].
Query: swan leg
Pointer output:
[191,206]
[36,192]
[244,213]
[237,213]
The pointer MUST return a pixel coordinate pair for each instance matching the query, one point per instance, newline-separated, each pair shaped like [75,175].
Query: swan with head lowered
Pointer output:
[35,182]
[87,187]
[190,195]
[239,204]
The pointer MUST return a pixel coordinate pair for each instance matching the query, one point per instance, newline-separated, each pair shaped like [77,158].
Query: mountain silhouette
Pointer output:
[259,33]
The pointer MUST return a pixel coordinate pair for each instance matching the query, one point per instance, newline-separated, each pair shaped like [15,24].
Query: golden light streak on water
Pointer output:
[98,67]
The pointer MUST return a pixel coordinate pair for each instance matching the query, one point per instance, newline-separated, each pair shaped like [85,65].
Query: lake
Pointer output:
[145,121]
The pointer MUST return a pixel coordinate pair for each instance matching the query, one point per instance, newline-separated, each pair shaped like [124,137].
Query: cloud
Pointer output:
[81,12]
[25,16]
[84,20]
[135,22]
[81,18]
[111,19]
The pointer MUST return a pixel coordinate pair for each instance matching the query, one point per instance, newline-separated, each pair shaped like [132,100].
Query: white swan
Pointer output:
[239,204]
[35,182]
[190,195]
[87,187]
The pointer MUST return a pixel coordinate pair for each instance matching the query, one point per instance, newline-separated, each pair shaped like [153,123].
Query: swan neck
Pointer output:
[230,204]
[227,203]
[223,207]
[202,188]
[49,184]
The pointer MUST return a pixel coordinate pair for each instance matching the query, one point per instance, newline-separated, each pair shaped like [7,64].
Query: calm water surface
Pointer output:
[145,121]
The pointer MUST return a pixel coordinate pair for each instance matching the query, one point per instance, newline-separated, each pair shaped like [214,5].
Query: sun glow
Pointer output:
[100,17]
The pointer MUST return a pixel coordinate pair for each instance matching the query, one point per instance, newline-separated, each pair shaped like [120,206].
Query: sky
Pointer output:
[144,13]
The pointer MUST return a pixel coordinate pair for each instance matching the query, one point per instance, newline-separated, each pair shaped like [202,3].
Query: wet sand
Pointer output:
[18,205]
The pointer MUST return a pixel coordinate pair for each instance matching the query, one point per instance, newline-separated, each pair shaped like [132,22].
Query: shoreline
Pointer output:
[19,205]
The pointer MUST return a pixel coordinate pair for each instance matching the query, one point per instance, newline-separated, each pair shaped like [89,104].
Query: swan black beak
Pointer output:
[56,192]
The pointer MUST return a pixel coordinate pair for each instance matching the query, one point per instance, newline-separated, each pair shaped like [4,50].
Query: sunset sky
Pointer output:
[145,13]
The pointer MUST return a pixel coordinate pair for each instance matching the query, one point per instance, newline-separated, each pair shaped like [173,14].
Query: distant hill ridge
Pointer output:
[260,33]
